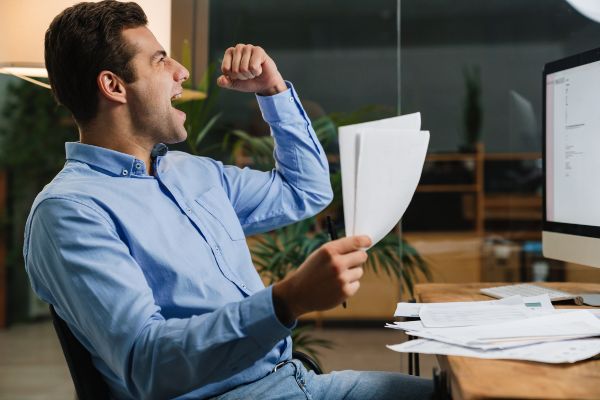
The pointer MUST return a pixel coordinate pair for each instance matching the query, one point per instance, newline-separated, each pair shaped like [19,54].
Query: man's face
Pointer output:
[158,80]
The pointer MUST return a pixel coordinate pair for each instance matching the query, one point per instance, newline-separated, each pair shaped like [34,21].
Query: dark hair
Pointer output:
[84,40]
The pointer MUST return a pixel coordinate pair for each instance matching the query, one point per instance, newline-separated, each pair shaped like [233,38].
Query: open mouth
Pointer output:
[176,96]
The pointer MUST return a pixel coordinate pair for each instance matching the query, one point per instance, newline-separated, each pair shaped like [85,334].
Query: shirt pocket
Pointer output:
[216,203]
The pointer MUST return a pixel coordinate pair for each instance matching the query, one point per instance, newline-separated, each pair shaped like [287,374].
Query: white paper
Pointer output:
[552,327]
[412,309]
[596,312]
[351,144]
[406,325]
[553,352]
[388,172]
[483,314]
[407,310]
[539,304]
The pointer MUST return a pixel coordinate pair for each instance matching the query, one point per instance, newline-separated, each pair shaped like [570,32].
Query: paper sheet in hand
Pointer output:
[567,351]
[381,165]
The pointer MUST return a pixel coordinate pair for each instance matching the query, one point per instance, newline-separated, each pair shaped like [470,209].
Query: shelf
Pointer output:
[514,206]
[512,156]
[453,188]
[451,157]
[513,199]
[516,235]
[496,208]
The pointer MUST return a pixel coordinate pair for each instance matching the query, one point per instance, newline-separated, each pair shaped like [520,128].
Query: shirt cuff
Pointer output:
[284,106]
[260,318]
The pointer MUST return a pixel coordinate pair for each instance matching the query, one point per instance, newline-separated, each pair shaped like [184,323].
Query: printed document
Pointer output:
[552,327]
[484,312]
[539,304]
[568,351]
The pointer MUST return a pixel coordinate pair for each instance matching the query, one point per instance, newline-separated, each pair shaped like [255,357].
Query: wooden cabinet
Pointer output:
[487,210]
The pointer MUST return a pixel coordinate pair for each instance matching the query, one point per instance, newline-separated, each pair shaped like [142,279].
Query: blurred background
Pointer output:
[472,68]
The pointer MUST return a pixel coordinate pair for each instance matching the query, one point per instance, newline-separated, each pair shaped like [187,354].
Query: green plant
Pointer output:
[32,151]
[276,254]
[201,115]
[472,112]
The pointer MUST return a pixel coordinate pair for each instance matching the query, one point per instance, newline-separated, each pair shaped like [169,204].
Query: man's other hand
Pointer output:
[249,68]
[329,276]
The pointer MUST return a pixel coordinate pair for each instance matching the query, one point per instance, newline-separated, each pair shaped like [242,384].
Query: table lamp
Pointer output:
[24,24]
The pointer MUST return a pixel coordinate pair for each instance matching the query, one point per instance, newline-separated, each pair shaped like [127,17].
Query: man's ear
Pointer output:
[111,87]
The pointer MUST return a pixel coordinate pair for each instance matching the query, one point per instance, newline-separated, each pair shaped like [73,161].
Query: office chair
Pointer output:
[89,384]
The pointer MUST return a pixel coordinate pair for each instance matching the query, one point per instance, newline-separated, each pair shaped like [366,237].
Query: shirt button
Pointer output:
[138,165]
[189,210]
[291,99]
[125,172]
[244,286]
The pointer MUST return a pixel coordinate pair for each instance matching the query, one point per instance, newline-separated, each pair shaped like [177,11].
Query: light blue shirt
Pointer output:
[153,274]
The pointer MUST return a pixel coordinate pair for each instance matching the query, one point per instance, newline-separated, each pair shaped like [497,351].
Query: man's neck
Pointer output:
[119,140]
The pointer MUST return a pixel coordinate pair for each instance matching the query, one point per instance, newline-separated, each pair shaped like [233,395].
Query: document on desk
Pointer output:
[483,312]
[406,325]
[443,317]
[566,351]
[412,309]
[544,328]
[381,164]
[538,304]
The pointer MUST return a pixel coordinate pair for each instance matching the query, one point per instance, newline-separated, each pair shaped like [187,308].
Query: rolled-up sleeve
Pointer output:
[298,187]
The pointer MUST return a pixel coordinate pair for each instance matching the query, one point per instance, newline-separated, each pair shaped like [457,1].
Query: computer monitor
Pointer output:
[571,159]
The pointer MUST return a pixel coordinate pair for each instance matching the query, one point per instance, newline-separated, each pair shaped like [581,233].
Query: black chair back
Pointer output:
[88,382]
[309,362]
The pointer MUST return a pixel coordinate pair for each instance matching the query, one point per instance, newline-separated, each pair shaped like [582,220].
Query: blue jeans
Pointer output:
[293,381]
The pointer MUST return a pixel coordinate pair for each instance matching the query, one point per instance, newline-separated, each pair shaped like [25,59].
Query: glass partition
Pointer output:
[474,71]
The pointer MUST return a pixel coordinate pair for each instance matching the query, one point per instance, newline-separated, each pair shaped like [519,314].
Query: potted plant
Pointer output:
[472,109]
[32,151]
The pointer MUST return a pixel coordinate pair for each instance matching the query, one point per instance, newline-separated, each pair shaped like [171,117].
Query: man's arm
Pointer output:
[77,261]
[299,186]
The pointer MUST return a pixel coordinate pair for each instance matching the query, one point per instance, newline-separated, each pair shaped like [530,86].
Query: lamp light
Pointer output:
[588,8]
[24,24]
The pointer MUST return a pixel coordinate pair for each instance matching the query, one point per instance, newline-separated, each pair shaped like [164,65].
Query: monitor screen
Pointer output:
[573,145]
[572,155]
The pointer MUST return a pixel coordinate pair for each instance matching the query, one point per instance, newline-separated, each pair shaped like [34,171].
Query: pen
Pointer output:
[333,236]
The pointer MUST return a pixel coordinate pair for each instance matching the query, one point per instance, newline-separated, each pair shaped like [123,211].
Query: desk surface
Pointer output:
[474,378]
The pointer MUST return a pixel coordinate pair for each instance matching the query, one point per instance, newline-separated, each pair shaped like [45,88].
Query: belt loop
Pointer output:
[281,364]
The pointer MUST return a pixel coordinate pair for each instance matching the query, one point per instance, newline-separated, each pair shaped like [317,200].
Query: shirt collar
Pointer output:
[115,162]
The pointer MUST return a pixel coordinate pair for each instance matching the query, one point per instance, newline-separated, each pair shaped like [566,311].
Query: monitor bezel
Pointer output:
[573,61]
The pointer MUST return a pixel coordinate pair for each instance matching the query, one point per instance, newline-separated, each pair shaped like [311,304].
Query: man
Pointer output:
[142,251]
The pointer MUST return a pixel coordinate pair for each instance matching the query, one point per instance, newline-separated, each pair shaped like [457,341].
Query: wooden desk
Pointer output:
[474,378]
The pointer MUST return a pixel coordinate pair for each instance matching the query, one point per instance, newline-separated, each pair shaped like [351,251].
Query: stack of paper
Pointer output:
[552,352]
[381,165]
[514,328]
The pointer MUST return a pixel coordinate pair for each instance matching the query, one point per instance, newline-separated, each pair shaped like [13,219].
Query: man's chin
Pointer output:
[179,137]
